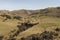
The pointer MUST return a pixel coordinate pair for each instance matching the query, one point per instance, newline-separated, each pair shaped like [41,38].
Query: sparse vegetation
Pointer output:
[1,37]
[17,17]
[46,35]
[43,24]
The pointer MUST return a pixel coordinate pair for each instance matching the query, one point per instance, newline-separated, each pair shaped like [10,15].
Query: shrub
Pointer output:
[1,37]
[17,17]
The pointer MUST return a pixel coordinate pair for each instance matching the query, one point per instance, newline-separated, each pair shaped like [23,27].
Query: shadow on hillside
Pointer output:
[14,33]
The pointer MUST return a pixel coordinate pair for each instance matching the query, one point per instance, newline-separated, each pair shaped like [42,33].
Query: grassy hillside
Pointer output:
[45,23]
[48,19]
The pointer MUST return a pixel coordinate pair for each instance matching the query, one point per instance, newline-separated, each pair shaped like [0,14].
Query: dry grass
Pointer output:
[45,23]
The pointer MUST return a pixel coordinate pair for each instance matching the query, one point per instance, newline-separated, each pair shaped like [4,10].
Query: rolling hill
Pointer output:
[48,19]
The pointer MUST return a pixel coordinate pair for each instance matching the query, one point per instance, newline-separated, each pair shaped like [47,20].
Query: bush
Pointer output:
[1,37]
[7,16]
[17,17]
[25,26]
[46,35]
